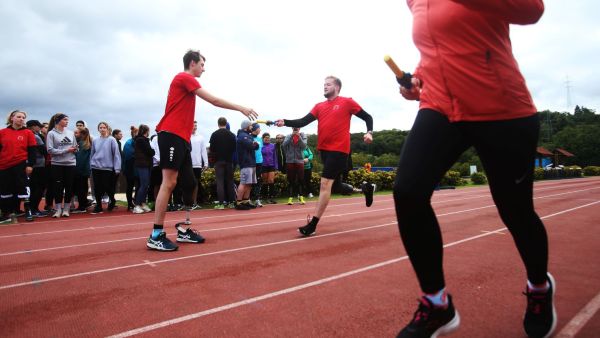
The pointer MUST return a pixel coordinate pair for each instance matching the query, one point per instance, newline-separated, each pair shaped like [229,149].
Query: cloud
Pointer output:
[114,60]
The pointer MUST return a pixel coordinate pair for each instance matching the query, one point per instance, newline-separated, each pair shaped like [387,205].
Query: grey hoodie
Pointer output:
[294,152]
[58,144]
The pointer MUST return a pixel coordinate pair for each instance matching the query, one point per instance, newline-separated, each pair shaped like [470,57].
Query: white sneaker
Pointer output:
[310,195]
[259,203]
[65,213]
[57,213]
[145,208]
[138,210]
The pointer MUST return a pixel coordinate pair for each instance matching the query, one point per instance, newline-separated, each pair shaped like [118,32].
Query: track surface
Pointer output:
[91,276]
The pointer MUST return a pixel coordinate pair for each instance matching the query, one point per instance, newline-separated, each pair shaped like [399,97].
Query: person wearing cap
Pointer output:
[174,134]
[17,157]
[246,152]
[62,145]
[334,116]
[37,179]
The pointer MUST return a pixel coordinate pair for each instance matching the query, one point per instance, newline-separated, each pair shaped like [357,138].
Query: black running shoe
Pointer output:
[309,228]
[162,243]
[39,214]
[431,321]
[368,189]
[242,206]
[96,210]
[540,316]
[189,236]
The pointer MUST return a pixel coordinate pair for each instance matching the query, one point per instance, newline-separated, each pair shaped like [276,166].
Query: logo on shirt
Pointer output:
[171,154]
[66,140]
[336,107]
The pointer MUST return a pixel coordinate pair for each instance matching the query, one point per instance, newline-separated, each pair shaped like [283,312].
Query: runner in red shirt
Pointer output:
[334,116]
[17,155]
[471,94]
[174,133]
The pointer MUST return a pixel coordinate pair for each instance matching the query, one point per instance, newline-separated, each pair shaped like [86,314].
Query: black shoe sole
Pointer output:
[367,189]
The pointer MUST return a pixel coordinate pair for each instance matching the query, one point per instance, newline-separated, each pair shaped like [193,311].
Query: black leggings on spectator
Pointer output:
[104,183]
[507,151]
[62,180]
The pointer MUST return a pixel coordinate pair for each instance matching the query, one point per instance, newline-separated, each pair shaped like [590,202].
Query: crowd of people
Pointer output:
[73,172]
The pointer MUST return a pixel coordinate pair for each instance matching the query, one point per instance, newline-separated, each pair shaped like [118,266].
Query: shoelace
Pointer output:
[422,313]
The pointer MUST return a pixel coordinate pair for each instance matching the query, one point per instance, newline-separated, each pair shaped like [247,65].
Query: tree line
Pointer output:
[577,132]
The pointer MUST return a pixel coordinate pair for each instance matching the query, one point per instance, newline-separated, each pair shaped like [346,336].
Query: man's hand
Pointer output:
[279,123]
[249,113]
[368,138]
[28,171]
[413,93]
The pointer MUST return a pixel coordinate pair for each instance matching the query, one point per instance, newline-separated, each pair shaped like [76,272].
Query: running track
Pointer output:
[91,276]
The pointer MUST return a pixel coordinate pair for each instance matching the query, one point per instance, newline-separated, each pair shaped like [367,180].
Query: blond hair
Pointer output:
[13,113]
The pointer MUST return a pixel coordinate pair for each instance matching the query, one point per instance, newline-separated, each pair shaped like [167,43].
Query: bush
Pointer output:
[452,178]
[478,178]
[538,173]
[591,171]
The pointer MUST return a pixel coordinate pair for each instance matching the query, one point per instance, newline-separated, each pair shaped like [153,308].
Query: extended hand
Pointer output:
[279,123]
[249,113]
[413,93]
[368,138]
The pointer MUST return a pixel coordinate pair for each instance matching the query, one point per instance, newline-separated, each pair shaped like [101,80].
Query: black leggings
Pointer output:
[507,152]
[104,183]
[62,177]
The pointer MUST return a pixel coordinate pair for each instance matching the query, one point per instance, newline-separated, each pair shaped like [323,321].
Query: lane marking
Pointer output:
[581,318]
[230,306]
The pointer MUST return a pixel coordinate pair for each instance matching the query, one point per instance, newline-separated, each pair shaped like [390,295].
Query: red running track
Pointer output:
[91,276]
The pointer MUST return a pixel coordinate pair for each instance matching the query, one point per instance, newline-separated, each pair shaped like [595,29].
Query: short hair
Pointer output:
[115,132]
[13,113]
[192,55]
[336,80]
[266,135]
[80,121]
[222,122]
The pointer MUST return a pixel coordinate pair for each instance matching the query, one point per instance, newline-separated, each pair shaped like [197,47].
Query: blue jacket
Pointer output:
[246,149]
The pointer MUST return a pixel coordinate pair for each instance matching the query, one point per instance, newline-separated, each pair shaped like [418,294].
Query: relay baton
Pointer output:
[403,78]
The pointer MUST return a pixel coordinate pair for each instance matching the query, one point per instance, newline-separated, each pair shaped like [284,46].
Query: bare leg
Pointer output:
[169,182]
[324,196]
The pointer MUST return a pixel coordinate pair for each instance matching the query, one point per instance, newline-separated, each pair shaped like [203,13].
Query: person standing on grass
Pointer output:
[269,168]
[471,94]
[105,161]
[293,147]
[62,146]
[17,157]
[334,116]
[174,132]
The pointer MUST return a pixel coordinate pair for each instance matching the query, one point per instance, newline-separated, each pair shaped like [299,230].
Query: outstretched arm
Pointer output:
[299,123]
[222,103]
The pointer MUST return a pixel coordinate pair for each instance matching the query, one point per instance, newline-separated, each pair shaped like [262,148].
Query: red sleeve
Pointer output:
[315,111]
[520,12]
[190,83]
[31,142]
[353,107]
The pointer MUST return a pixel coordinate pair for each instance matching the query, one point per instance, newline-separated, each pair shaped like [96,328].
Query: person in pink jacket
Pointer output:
[472,94]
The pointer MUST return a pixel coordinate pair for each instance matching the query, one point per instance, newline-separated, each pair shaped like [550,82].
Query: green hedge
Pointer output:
[591,170]
[478,178]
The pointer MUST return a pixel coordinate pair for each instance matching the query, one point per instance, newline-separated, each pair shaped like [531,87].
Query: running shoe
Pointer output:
[97,210]
[301,199]
[431,321]
[540,315]
[189,236]
[309,228]
[78,211]
[112,205]
[219,207]
[161,243]
[258,203]
[65,213]
[138,210]
[57,213]
[28,215]
[290,201]
[368,189]
[39,214]
[242,206]
[196,207]
[146,208]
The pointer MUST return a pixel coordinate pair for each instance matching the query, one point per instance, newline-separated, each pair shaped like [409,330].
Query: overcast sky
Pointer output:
[114,60]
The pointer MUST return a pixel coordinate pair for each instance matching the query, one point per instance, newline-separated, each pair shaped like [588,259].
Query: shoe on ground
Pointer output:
[431,321]
[301,199]
[311,195]
[290,201]
[231,205]
[57,213]
[219,207]
[65,213]
[189,236]
[196,207]
[97,210]
[78,211]
[145,208]
[39,214]
[28,216]
[112,205]
[242,206]
[258,204]
[540,315]
[161,243]
[138,210]
[368,189]
[308,229]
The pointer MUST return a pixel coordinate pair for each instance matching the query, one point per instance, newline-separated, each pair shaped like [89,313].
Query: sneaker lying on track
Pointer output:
[540,316]
[368,189]
[189,236]
[161,243]
[431,321]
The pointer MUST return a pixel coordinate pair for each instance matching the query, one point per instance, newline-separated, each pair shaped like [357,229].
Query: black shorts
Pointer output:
[156,176]
[14,182]
[334,163]
[268,169]
[197,173]
[175,152]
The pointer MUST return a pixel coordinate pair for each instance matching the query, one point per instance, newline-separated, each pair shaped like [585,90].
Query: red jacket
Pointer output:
[467,68]
[15,144]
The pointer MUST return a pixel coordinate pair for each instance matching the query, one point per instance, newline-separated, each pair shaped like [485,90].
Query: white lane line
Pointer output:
[149,263]
[230,306]
[581,318]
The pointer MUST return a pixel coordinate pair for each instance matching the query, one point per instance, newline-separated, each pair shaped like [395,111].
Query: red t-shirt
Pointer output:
[334,123]
[14,146]
[181,106]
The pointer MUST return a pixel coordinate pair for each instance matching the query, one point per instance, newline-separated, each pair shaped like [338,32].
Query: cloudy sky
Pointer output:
[113,60]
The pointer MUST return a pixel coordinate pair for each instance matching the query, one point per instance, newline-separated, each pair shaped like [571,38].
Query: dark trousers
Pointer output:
[62,180]
[224,178]
[307,181]
[80,189]
[38,183]
[104,183]
[507,152]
